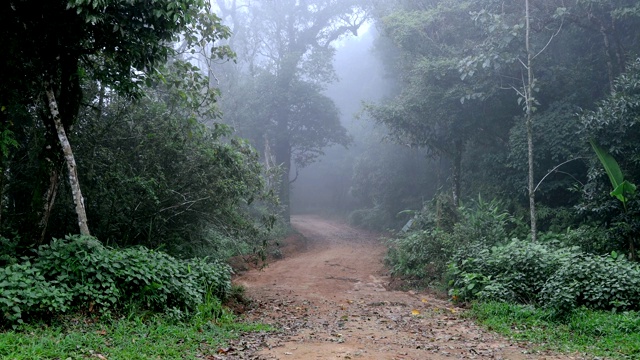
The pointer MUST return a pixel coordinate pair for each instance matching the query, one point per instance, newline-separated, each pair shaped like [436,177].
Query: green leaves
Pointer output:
[598,282]
[7,141]
[622,189]
[79,273]
[610,165]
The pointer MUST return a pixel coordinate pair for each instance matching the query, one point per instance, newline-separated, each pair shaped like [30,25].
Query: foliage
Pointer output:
[597,282]
[113,46]
[555,143]
[457,64]
[274,94]
[622,189]
[25,291]
[590,239]
[550,275]
[117,43]
[595,333]
[153,175]
[79,273]
[132,336]
[424,254]
[430,110]
[514,272]
[420,255]
[8,250]
[612,127]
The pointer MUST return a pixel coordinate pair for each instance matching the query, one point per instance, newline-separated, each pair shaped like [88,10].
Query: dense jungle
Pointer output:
[266,179]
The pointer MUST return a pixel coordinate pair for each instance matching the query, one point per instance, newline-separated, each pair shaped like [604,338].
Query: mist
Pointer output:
[352,180]
[377,109]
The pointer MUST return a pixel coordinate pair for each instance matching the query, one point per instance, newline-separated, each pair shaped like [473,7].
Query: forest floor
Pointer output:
[329,297]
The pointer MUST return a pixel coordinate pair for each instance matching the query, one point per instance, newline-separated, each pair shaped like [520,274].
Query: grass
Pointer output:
[597,333]
[135,337]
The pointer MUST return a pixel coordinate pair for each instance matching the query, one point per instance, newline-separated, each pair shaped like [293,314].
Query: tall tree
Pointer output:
[504,26]
[285,60]
[528,98]
[435,108]
[52,47]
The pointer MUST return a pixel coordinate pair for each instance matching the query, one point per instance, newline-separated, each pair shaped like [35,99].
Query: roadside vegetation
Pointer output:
[534,224]
[130,336]
[611,335]
[569,291]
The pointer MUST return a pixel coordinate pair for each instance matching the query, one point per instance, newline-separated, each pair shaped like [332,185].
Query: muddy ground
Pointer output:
[329,296]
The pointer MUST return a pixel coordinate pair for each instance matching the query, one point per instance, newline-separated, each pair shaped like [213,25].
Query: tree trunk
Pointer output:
[456,173]
[71,162]
[529,123]
[283,159]
[49,200]
[607,50]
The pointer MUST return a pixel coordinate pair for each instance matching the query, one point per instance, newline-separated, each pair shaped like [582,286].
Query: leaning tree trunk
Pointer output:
[529,122]
[71,162]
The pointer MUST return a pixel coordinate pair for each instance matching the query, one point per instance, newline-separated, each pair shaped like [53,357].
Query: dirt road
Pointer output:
[330,300]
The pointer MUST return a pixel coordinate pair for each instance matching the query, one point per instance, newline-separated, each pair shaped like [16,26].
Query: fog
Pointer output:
[325,185]
[365,111]
[340,182]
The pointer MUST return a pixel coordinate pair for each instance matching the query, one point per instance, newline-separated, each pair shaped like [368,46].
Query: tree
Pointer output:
[274,96]
[435,109]
[114,43]
[503,48]
[156,176]
[613,126]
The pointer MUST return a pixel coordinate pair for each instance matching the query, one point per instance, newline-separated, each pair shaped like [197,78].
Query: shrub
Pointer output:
[425,254]
[589,238]
[597,282]
[23,289]
[8,250]
[516,271]
[79,273]
[484,222]
[560,278]
[420,255]
[83,265]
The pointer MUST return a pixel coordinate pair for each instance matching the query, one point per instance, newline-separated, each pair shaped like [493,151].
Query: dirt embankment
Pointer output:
[329,298]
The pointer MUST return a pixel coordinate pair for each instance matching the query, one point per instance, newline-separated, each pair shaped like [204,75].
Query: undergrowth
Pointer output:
[80,274]
[483,255]
[135,336]
[614,335]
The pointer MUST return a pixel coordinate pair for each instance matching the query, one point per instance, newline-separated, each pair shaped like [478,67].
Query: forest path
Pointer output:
[330,300]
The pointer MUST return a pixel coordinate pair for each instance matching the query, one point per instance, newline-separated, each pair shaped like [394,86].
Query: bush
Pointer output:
[514,272]
[83,265]
[79,273]
[424,254]
[589,238]
[23,289]
[420,255]
[8,250]
[597,282]
[559,278]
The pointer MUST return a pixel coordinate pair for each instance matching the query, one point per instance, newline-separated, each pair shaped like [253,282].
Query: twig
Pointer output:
[554,169]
